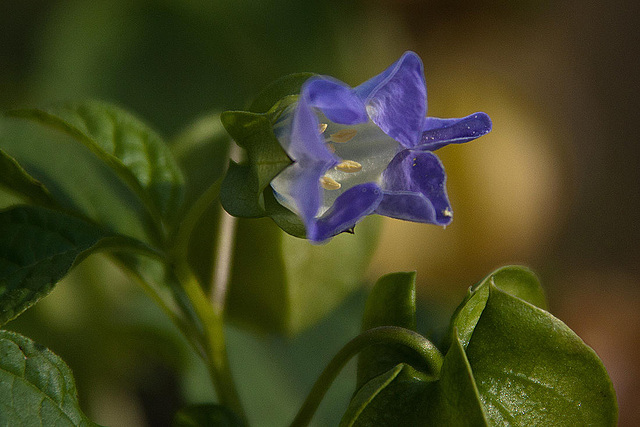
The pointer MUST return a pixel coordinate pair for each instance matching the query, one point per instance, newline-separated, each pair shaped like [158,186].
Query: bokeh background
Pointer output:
[555,186]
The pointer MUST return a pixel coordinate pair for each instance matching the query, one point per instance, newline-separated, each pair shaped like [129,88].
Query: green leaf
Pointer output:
[206,415]
[77,180]
[201,150]
[404,396]
[37,248]
[394,398]
[283,284]
[244,184]
[531,369]
[453,400]
[391,302]
[281,88]
[135,152]
[17,180]
[36,386]
[366,394]
[516,280]
[521,367]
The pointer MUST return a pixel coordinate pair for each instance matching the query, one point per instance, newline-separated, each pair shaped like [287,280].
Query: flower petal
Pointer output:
[303,189]
[336,100]
[300,181]
[414,189]
[349,208]
[396,99]
[306,144]
[440,132]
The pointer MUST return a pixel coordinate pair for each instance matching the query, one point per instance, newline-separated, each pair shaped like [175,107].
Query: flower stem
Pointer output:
[223,260]
[376,336]
[213,340]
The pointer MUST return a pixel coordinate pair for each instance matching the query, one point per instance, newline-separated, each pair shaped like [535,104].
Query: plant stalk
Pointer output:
[376,336]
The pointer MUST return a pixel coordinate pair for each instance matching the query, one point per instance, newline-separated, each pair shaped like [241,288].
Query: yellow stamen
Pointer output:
[329,183]
[447,212]
[349,166]
[322,127]
[343,135]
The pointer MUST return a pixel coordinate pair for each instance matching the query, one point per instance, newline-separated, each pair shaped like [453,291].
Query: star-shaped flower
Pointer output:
[365,150]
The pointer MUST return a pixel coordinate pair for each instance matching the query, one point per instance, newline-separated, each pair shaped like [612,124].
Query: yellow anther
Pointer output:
[343,135]
[329,183]
[322,127]
[447,212]
[349,166]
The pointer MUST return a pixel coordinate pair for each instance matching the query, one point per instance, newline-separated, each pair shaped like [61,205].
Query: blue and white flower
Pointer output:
[365,150]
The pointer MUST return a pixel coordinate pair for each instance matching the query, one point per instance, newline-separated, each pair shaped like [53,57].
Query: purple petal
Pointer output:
[349,208]
[306,142]
[305,189]
[336,100]
[414,189]
[440,132]
[311,161]
[397,99]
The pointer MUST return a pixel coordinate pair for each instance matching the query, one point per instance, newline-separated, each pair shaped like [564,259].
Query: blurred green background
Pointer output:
[554,186]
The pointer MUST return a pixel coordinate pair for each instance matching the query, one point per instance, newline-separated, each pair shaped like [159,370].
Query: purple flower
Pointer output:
[365,150]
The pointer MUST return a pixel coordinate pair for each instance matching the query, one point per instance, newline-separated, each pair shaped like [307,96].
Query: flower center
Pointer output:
[365,151]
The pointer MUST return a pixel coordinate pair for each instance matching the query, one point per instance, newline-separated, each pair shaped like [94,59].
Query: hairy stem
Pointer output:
[376,336]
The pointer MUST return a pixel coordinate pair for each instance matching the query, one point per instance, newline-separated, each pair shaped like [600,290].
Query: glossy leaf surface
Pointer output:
[135,152]
[517,366]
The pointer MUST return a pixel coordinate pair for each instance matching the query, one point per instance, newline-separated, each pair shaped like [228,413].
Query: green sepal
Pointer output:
[279,89]
[244,184]
[391,302]
[245,190]
[36,386]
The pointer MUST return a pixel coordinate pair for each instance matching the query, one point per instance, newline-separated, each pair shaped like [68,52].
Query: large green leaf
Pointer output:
[17,180]
[37,248]
[135,152]
[391,302]
[517,280]
[283,284]
[36,386]
[521,367]
[531,369]
[76,178]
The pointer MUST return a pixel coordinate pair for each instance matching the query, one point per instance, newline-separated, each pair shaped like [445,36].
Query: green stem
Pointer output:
[223,259]
[187,330]
[214,340]
[376,336]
